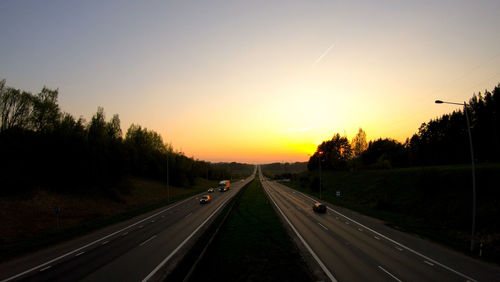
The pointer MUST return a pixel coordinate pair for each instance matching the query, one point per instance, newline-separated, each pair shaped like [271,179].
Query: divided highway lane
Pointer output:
[349,250]
[136,250]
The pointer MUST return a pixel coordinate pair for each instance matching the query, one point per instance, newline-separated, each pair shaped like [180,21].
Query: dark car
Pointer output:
[211,190]
[319,207]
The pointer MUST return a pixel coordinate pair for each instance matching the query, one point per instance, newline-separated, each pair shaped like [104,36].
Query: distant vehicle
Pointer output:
[211,190]
[205,199]
[224,185]
[319,207]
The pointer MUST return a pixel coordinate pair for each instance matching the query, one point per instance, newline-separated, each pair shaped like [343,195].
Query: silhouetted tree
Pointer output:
[385,153]
[15,107]
[333,154]
[45,113]
[358,143]
[444,140]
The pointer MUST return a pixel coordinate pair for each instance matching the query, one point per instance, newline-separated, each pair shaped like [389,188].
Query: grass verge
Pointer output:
[252,245]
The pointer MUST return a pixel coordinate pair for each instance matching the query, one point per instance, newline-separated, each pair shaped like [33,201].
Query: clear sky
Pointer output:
[254,81]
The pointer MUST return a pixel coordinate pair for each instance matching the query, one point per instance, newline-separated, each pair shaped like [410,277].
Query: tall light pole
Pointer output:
[473,171]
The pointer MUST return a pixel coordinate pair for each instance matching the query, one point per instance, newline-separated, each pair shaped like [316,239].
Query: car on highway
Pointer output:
[319,207]
[211,190]
[205,199]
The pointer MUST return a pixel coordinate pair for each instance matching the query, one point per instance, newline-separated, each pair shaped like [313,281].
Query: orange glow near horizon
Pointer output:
[255,81]
[288,124]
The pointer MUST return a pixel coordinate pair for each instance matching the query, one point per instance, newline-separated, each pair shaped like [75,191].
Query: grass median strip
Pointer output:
[252,245]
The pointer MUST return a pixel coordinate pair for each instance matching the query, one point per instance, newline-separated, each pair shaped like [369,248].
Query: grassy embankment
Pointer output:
[29,222]
[252,245]
[435,202]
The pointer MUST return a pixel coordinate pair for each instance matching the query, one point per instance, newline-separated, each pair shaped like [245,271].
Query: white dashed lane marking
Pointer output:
[322,226]
[154,236]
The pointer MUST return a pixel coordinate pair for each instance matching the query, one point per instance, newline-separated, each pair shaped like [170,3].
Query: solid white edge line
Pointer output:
[399,244]
[429,263]
[389,273]
[164,261]
[318,260]
[89,244]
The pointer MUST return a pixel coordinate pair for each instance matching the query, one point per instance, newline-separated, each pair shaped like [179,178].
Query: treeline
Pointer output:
[43,147]
[283,170]
[233,170]
[438,142]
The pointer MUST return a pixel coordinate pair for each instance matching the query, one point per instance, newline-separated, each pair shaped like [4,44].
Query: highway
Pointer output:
[351,247]
[140,249]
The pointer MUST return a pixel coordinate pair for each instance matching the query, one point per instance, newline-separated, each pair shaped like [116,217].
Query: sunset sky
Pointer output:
[254,81]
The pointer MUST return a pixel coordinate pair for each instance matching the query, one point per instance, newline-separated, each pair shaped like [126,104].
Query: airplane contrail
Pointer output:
[324,54]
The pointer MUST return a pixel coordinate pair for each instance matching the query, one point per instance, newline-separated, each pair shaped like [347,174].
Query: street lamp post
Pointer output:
[320,182]
[473,171]
[168,188]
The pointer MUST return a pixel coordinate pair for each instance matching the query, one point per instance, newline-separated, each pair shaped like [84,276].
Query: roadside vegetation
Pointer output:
[87,170]
[434,202]
[283,170]
[43,147]
[31,222]
[252,245]
[423,185]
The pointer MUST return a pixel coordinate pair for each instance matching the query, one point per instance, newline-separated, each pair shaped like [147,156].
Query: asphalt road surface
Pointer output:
[351,247]
[136,250]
